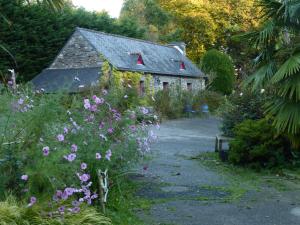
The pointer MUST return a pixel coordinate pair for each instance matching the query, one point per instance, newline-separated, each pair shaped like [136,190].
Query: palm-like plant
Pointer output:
[278,64]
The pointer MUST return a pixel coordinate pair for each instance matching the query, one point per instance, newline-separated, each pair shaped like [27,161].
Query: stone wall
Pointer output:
[77,53]
[196,83]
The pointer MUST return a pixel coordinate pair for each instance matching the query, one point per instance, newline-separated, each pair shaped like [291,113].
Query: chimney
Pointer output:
[180,46]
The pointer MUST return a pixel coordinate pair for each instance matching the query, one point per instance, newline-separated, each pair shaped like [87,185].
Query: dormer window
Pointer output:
[140,60]
[182,66]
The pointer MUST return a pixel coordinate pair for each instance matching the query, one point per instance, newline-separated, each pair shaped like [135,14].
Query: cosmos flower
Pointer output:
[144,110]
[21,101]
[83,166]
[69,191]
[61,209]
[98,156]
[108,154]
[86,104]
[24,177]
[75,203]
[84,177]
[60,137]
[71,157]
[110,130]
[32,201]
[66,130]
[101,125]
[46,151]
[104,92]
[98,101]
[75,210]
[74,148]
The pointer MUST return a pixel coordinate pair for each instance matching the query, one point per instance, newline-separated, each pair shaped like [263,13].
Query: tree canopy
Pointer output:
[34,34]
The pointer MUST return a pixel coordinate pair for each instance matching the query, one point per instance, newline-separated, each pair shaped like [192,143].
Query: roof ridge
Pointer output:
[125,37]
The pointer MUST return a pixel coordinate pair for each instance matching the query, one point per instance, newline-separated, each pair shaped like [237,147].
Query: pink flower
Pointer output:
[98,156]
[93,108]
[61,209]
[86,104]
[32,201]
[84,177]
[83,166]
[75,210]
[104,92]
[69,191]
[98,101]
[60,137]
[144,110]
[66,130]
[74,148]
[24,177]
[21,101]
[46,151]
[110,130]
[101,125]
[108,155]
[71,157]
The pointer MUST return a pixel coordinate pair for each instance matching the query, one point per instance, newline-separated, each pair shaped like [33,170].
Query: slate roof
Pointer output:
[122,52]
[68,80]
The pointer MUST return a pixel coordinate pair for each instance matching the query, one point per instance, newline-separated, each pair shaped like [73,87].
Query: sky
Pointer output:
[113,7]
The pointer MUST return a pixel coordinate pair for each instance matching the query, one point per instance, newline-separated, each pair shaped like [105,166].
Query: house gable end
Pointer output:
[77,53]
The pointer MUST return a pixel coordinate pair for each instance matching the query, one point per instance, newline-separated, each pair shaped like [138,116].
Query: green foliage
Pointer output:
[256,144]
[237,108]
[205,24]
[169,103]
[278,63]
[158,23]
[213,99]
[13,213]
[220,67]
[35,35]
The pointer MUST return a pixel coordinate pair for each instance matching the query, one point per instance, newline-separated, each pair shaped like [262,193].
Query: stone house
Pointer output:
[78,65]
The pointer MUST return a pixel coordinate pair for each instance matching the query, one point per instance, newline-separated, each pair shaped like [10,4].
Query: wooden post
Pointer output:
[217,144]
[101,191]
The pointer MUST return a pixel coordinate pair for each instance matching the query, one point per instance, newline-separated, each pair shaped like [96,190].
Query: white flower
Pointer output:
[241,94]
[262,91]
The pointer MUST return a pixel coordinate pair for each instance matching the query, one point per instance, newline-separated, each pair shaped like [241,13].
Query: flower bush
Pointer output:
[56,151]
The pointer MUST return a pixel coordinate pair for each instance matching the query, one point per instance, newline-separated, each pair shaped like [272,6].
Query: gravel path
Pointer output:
[188,193]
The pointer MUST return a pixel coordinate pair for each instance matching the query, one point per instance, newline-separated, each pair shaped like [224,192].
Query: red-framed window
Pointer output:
[140,60]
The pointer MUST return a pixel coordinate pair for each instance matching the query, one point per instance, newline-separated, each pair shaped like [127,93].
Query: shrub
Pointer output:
[53,146]
[170,103]
[239,107]
[213,99]
[257,144]
[221,70]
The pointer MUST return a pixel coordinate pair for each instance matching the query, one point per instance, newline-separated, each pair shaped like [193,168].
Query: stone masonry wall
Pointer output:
[197,83]
[77,53]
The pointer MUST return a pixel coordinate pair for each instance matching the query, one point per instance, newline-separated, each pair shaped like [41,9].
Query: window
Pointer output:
[140,60]
[182,66]
[165,85]
[142,88]
[189,86]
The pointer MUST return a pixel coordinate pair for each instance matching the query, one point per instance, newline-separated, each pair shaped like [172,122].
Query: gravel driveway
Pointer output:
[188,193]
